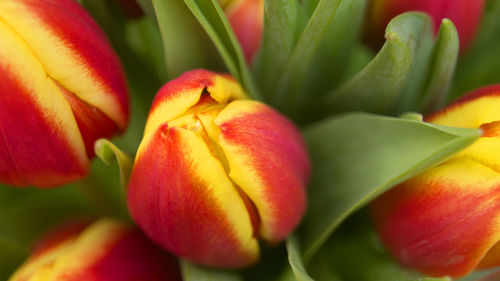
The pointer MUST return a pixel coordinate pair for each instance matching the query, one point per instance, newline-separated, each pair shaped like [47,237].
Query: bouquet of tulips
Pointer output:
[241,140]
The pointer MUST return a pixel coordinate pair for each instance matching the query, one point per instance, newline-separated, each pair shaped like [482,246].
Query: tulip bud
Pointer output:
[465,15]
[214,171]
[104,250]
[445,221]
[61,88]
[247,19]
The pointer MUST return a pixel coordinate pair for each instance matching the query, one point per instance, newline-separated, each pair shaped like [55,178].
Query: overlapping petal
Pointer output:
[40,143]
[214,171]
[267,159]
[73,51]
[180,195]
[62,88]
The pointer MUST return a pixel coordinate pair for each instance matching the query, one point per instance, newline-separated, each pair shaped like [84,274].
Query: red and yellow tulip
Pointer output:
[465,14]
[247,19]
[61,88]
[215,171]
[446,221]
[104,250]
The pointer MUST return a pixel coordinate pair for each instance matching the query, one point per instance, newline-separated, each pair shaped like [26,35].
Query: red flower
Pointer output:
[445,221]
[215,171]
[62,87]
[104,250]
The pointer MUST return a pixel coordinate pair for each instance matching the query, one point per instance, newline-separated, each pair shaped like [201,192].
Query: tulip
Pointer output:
[215,171]
[61,88]
[465,14]
[104,250]
[445,221]
[247,19]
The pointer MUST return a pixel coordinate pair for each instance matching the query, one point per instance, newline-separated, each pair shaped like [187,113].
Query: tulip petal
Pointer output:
[478,109]
[182,198]
[471,111]
[92,123]
[268,160]
[247,19]
[73,51]
[443,221]
[34,111]
[178,95]
[106,250]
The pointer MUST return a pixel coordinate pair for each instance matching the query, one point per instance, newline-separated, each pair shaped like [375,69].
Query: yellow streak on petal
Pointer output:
[468,172]
[206,168]
[165,112]
[247,179]
[72,255]
[22,63]
[485,151]
[40,267]
[223,91]
[89,246]
[43,274]
[470,114]
[58,59]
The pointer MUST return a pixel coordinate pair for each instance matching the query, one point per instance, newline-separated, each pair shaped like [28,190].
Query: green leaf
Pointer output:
[211,17]
[144,38]
[286,95]
[358,156]
[185,43]
[335,50]
[192,272]
[356,254]
[295,260]
[109,153]
[379,86]
[444,58]
[278,39]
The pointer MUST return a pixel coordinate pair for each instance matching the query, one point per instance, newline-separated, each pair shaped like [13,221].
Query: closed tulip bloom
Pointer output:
[247,19]
[61,88]
[446,220]
[465,15]
[215,171]
[104,250]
